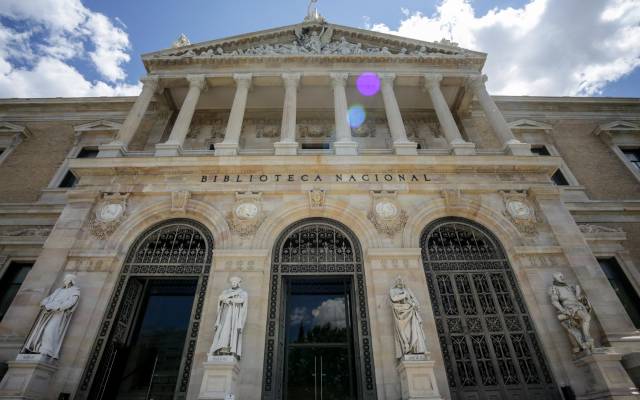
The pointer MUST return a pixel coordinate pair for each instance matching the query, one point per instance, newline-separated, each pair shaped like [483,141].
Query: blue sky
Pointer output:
[535,47]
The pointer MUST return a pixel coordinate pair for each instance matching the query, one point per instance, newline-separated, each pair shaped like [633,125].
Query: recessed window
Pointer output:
[68,181]
[540,150]
[419,146]
[10,284]
[315,146]
[1,150]
[623,288]
[633,156]
[212,146]
[88,152]
[559,179]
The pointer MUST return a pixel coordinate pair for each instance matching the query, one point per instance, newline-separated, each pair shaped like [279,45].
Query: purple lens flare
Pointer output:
[368,83]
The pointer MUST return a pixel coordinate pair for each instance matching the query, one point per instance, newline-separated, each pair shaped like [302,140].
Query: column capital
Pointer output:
[152,82]
[198,81]
[243,80]
[291,79]
[339,79]
[387,78]
[476,82]
[432,80]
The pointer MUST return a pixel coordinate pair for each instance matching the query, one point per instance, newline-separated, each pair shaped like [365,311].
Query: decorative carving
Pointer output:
[316,198]
[451,197]
[247,214]
[40,230]
[108,215]
[181,42]
[409,332]
[520,211]
[56,310]
[179,200]
[589,228]
[386,214]
[266,128]
[232,314]
[574,312]
[314,128]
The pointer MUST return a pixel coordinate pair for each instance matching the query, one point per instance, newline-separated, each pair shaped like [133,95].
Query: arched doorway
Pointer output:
[318,340]
[147,337]
[488,342]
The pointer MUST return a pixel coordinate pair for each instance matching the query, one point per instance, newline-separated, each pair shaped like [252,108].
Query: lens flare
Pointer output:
[368,83]
[356,115]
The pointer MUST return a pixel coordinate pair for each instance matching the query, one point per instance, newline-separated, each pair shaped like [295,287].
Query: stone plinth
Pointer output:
[28,377]
[462,148]
[516,148]
[416,378]
[346,148]
[220,378]
[286,148]
[168,149]
[226,149]
[405,148]
[113,149]
[607,377]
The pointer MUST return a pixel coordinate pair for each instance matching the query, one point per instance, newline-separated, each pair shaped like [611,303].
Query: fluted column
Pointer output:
[496,119]
[118,146]
[449,127]
[229,146]
[287,144]
[173,146]
[344,144]
[401,145]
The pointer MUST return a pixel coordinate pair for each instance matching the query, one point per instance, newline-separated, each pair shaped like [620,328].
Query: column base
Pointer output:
[517,148]
[608,378]
[113,149]
[462,148]
[417,379]
[345,148]
[28,378]
[405,148]
[226,149]
[286,148]
[220,378]
[168,149]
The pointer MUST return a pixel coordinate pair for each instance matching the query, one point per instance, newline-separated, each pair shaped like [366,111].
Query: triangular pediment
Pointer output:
[527,124]
[313,40]
[9,128]
[617,127]
[102,125]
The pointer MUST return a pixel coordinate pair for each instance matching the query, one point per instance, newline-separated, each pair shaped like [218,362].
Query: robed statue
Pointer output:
[409,333]
[232,314]
[51,326]
[574,312]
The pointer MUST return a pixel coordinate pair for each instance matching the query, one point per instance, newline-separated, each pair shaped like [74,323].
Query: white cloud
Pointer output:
[330,312]
[38,61]
[568,47]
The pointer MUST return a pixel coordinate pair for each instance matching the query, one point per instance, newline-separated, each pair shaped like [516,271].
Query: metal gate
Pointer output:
[488,342]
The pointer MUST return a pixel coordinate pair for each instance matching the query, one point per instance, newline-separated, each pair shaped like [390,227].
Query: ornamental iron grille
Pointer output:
[174,250]
[317,247]
[488,342]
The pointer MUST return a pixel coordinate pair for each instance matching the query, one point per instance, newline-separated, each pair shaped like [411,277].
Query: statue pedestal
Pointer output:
[416,378]
[220,378]
[608,378]
[28,378]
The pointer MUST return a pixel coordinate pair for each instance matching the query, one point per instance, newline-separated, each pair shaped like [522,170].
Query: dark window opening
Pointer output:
[315,146]
[559,179]
[1,150]
[212,146]
[540,150]
[633,156]
[68,181]
[419,147]
[10,284]
[623,288]
[88,152]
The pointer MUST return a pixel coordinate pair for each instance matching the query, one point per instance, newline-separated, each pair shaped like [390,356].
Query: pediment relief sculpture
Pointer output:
[108,215]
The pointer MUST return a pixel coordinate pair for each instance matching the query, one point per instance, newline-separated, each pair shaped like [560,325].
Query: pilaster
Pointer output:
[229,146]
[401,145]
[344,145]
[287,144]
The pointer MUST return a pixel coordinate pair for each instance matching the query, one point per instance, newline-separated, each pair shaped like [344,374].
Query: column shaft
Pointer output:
[130,126]
[401,144]
[344,144]
[229,145]
[287,144]
[173,146]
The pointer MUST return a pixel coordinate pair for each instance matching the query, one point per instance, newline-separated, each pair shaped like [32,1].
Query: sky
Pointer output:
[65,48]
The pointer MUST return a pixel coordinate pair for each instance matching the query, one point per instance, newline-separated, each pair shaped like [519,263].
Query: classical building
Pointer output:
[369,198]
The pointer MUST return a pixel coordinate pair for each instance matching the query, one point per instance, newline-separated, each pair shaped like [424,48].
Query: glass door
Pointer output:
[319,362]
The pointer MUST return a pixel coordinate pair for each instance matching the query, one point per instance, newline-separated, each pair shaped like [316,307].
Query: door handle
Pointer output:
[321,375]
[315,378]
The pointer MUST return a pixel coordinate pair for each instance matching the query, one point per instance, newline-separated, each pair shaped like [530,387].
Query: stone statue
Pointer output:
[573,312]
[408,323]
[312,12]
[48,332]
[232,314]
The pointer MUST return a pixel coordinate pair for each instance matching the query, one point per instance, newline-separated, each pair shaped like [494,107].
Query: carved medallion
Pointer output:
[316,198]
[108,215]
[520,211]
[246,214]
[386,214]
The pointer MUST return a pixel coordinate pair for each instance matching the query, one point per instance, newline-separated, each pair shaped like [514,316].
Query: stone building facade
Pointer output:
[317,163]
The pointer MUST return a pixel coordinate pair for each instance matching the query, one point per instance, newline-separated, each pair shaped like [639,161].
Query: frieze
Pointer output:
[40,231]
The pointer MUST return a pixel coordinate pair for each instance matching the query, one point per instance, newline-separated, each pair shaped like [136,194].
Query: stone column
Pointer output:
[229,146]
[401,145]
[118,147]
[449,127]
[173,146]
[344,145]
[496,119]
[287,144]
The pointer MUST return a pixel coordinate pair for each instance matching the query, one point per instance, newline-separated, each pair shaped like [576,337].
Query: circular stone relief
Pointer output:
[386,209]
[519,209]
[246,211]
[110,212]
